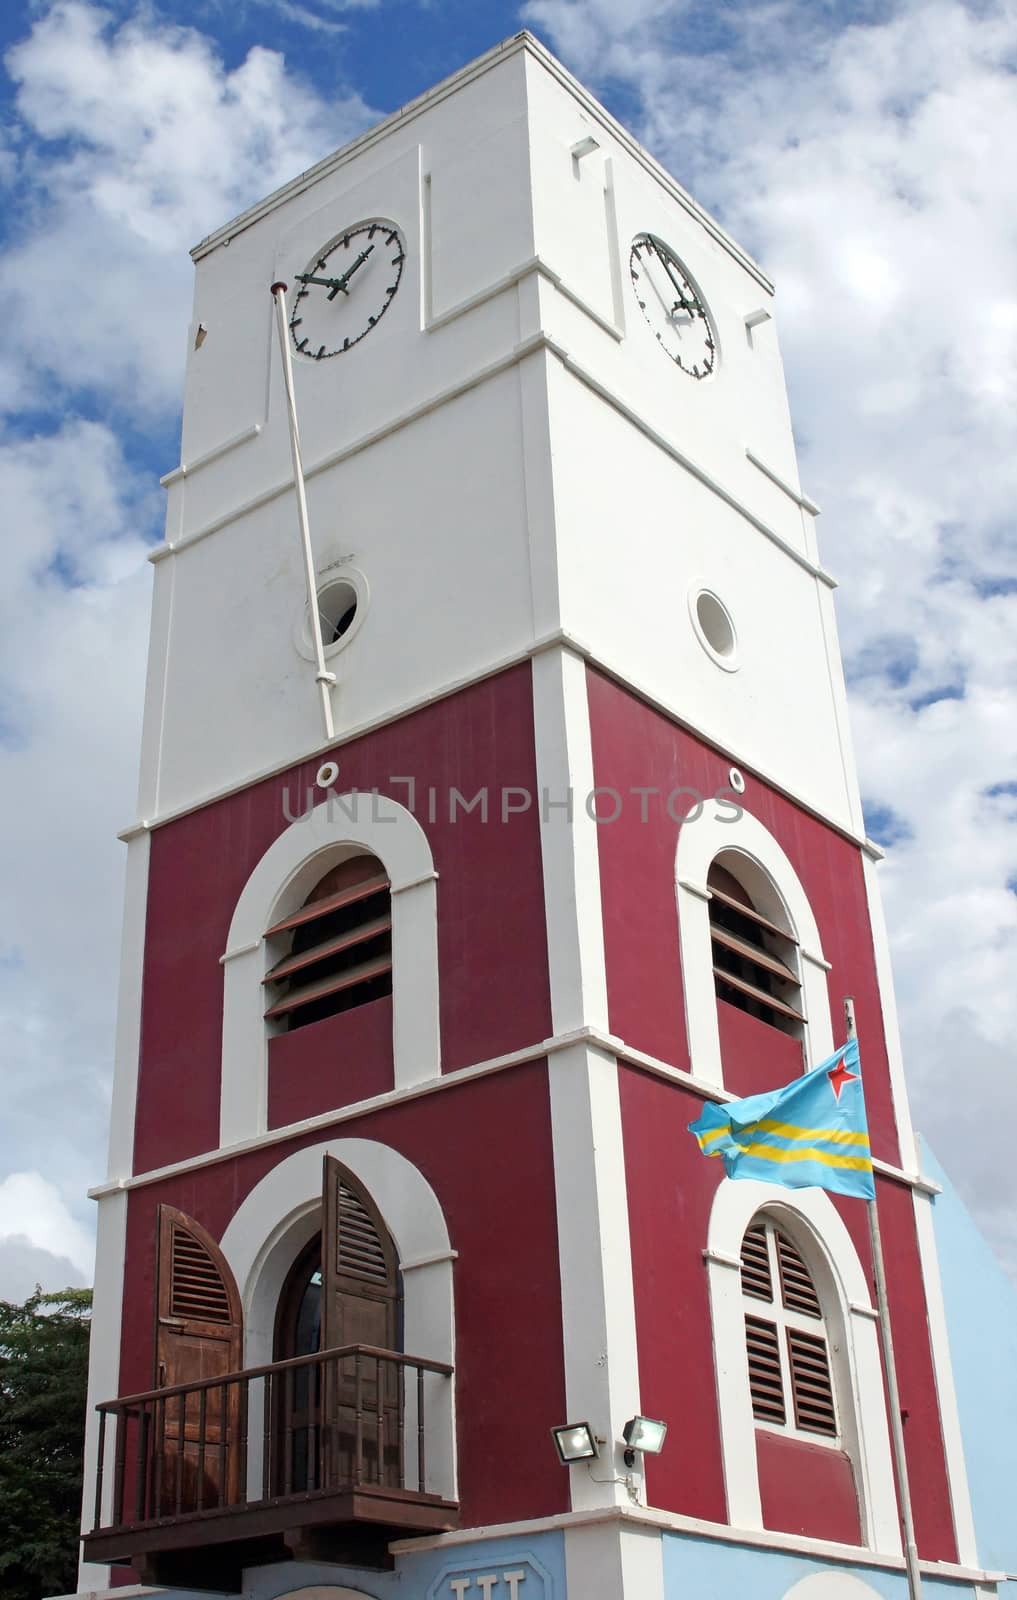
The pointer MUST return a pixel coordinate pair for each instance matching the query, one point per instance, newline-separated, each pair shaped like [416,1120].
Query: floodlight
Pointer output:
[643,1433]
[574,1441]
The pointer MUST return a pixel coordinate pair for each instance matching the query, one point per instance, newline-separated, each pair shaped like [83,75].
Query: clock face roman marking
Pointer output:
[346,288]
[672,305]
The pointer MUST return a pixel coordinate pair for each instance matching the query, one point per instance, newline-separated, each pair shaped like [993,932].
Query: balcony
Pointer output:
[319,1458]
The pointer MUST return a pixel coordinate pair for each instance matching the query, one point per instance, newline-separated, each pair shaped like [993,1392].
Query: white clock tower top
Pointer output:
[546,403]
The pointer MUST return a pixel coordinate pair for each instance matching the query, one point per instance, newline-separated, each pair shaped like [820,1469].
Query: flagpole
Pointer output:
[323,678]
[890,1366]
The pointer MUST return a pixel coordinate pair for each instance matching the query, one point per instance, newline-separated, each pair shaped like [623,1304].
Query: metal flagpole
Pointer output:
[323,678]
[890,1366]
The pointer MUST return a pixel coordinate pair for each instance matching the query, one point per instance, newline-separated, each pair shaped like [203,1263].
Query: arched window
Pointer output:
[755,962]
[785,1337]
[336,951]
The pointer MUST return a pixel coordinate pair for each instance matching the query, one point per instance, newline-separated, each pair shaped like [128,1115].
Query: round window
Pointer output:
[714,628]
[337,609]
[342,606]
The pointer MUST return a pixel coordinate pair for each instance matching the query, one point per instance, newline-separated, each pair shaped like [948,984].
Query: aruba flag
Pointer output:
[811,1134]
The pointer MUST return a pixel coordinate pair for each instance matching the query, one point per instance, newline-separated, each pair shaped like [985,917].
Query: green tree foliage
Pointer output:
[43,1368]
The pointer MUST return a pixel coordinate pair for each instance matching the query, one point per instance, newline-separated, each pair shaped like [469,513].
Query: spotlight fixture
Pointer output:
[644,1434]
[575,1441]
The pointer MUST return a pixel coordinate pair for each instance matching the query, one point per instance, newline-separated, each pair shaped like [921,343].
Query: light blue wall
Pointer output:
[981,1315]
[708,1569]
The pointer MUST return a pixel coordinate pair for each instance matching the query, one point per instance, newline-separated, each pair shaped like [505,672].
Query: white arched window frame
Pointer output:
[283,1212]
[787,1320]
[811,1220]
[341,826]
[758,861]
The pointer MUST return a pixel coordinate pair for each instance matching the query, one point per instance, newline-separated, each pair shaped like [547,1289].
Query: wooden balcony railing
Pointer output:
[298,1457]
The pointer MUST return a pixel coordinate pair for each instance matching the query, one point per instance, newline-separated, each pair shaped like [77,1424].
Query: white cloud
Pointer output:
[864,165]
[129,143]
[73,620]
[138,141]
[24,1267]
[33,1214]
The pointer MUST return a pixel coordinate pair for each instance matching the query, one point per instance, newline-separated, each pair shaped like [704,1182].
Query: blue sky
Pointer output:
[857,149]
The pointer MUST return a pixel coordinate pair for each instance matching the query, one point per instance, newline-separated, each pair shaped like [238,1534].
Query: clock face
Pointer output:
[346,288]
[672,305]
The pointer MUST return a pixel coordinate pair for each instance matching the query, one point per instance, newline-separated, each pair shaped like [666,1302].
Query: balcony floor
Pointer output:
[209,1549]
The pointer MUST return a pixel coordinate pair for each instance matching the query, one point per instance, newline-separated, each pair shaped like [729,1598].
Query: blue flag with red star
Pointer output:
[810,1134]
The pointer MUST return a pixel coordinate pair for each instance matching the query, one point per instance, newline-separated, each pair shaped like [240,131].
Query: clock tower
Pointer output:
[404,1249]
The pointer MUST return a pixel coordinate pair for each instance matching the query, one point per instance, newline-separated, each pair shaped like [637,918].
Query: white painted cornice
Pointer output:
[595,1038]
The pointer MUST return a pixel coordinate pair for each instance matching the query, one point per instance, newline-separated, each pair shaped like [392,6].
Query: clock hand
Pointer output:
[682,302]
[339,284]
[306,277]
[667,310]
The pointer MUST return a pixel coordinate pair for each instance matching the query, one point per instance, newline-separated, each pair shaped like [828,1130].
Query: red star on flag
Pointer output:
[839,1076]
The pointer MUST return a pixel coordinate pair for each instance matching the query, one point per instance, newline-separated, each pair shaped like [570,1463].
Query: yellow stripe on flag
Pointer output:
[768,1152]
[713,1133]
[787,1130]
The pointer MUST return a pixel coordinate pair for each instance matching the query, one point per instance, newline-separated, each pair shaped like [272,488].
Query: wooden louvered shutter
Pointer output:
[766,1384]
[811,1388]
[753,959]
[359,1268]
[789,1365]
[757,1280]
[199,1334]
[338,946]
[360,1283]
[797,1290]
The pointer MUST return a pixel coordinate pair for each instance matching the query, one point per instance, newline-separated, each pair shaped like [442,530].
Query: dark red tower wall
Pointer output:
[670,1184]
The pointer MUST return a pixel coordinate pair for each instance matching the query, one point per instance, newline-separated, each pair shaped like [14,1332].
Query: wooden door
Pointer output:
[360,1305]
[199,1334]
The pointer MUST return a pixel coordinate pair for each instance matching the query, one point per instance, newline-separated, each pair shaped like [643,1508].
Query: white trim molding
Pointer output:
[595,1263]
[103,1363]
[340,826]
[811,1218]
[283,1212]
[325,1120]
[610,1559]
[569,842]
[128,1031]
[594,1253]
[759,861]
[825,1550]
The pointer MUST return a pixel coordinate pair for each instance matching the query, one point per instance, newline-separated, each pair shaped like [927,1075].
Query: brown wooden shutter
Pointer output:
[756,1277]
[797,1290]
[751,956]
[338,946]
[765,1382]
[360,1284]
[811,1387]
[199,1334]
[358,1266]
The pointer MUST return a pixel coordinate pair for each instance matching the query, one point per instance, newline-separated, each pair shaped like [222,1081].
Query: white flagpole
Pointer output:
[323,678]
[890,1365]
